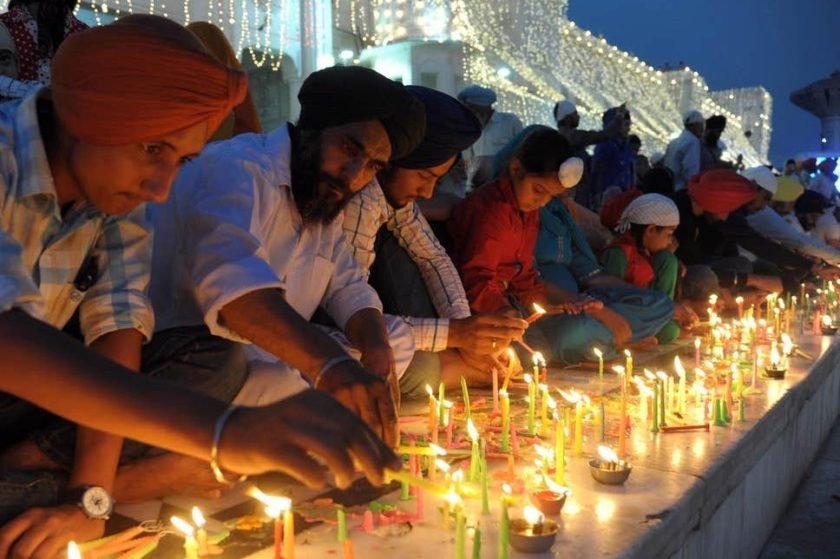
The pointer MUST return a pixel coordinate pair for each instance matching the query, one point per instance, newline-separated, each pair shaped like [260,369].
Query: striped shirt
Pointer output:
[52,264]
[365,215]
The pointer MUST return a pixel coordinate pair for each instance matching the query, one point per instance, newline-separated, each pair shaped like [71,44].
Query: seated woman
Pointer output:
[495,230]
[642,255]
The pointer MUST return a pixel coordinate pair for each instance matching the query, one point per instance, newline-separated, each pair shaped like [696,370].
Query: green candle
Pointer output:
[718,422]
[460,532]
[466,395]
[485,489]
[662,422]
[342,524]
[476,552]
[504,525]
[742,409]
[474,454]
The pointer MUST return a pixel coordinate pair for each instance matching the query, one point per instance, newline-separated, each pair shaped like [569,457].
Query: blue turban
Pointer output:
[477,95]
[451,127]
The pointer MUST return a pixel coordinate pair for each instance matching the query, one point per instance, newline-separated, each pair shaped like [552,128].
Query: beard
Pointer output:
[319,197]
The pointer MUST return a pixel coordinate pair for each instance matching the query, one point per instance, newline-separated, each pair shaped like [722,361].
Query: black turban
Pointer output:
[716,122]
[451,127]
[343,94]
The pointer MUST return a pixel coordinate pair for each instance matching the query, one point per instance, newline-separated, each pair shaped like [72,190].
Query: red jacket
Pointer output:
[494,248]
[639,270]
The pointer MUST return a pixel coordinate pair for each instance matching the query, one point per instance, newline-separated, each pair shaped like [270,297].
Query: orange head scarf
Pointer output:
[721,191]
[245,114]
[138,79]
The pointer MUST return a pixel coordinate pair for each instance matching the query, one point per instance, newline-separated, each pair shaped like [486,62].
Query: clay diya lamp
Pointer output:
[533,533]
[608,469]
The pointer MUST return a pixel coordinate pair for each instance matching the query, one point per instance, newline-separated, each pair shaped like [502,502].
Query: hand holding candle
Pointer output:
[538,313]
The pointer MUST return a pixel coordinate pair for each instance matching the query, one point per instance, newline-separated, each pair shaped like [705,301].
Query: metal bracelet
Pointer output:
[214,449]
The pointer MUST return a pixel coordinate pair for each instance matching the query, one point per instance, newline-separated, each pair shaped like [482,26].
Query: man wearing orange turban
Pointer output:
[129,103]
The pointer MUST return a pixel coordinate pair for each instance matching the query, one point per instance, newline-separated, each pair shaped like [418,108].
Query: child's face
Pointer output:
[657,239]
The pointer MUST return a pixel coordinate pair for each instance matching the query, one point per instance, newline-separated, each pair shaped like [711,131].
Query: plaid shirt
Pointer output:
[365,215]
[51,264]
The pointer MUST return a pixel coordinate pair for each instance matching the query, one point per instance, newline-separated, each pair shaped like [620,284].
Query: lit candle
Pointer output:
[73,551]
[538,313]
[532,404]
[543,367]
[284,542]
[503,396]
[696,352]
[600,355]
[485,481]
[341,518]
[654,426]
[740,302]
[474,456]
[190,545]
[504,525]
[450,421]
[544,408]
[663,410]
[201,533]
[535,358]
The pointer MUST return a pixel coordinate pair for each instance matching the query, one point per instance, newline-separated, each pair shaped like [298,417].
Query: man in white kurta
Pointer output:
[236,250]
[683,153]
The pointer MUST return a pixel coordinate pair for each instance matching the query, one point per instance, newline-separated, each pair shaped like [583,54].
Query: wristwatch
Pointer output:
[95,501]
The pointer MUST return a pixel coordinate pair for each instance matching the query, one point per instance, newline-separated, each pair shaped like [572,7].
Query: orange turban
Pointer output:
[138,79]
[720,191]
[245,114]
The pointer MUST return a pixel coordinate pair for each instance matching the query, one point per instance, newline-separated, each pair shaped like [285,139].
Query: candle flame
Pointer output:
[503,393]
[511,354]
[699,373]
[739,300]
[555,487]
[662,376]
[598,353]
[532,515]
[551,403]
[439,451]
[539,359]
[73,551]
[442,465]
[678,367]
[543,452]
[277,504]
[775,358]
[618,369]
[183,526]
[781,304]
[473,432]
[573,396]
[506,489]
[787,344]
[607,454]
[697,343]
[538,309]
[429,391]
[713,299]
[628,354]
[198,518]
[453,498]
[649,374]
[458,476]
[826,320]
[528,378]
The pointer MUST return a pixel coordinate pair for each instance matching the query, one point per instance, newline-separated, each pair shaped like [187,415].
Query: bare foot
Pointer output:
[167,474]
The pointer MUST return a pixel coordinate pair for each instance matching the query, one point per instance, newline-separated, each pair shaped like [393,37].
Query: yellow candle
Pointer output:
[628,367]
[288,534]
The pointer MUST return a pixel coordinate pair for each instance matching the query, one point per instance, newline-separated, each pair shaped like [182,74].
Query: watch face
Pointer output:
[97,502]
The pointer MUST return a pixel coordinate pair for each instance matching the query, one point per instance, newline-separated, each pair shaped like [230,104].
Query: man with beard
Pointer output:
[409,268]
[249,243]
[712,147]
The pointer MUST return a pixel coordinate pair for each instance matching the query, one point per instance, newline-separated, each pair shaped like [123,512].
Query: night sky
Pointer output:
[780,44]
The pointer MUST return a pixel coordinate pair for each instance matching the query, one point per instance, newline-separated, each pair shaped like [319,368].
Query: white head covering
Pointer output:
[649,209]
[693,117]
[762,176]
[571,171]
[563,109]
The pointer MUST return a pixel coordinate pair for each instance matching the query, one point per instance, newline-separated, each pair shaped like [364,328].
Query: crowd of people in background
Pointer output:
[265,302]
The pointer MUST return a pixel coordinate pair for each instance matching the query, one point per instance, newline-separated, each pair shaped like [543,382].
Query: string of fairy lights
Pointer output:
[528,51]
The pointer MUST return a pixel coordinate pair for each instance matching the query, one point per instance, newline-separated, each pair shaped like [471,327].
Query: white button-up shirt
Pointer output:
[43,251]
[683,158]
[230,227]
[365,215]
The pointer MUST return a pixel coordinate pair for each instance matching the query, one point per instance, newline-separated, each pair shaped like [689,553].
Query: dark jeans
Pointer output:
[397,280]
[189,356]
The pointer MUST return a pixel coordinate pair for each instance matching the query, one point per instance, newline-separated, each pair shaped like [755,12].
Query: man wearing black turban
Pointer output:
[249,247]
[712,147]
[409,268]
